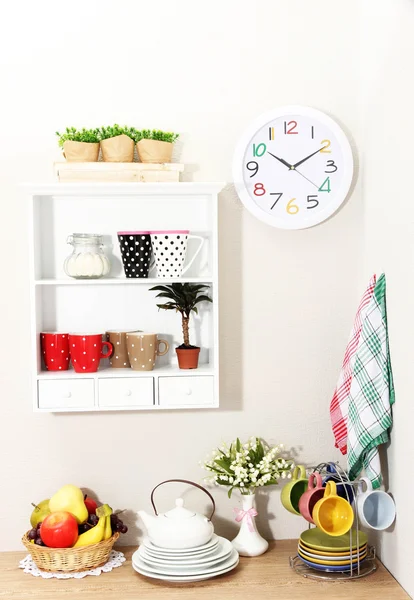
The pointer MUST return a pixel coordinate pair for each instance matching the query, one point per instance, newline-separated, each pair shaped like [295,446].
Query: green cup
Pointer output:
[292,491]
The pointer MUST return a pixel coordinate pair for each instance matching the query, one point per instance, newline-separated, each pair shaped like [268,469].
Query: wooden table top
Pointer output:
[266,576]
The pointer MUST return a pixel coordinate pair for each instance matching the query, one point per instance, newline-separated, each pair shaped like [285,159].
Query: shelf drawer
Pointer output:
[126,391]
[186,391]
[66,393]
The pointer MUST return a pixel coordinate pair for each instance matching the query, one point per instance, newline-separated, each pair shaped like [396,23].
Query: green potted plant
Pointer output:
[79,145]
[155,146]
[183,298]
[117,143]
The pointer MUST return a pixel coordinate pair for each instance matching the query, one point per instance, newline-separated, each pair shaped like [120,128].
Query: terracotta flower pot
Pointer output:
[81,151]
[154,151]
[188,358]
[118,149]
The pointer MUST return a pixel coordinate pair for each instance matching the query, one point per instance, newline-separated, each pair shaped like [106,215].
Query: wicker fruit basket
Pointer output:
[73,560]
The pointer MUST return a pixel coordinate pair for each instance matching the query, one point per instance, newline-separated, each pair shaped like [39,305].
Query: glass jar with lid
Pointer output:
[88,259]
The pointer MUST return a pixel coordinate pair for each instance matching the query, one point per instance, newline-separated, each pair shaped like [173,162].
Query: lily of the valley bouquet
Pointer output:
[247,466]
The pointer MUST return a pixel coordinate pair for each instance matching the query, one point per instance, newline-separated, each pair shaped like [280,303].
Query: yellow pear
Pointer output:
[40,511]
[70,499]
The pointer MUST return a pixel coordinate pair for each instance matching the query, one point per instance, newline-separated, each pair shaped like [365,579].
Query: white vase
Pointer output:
[248,541]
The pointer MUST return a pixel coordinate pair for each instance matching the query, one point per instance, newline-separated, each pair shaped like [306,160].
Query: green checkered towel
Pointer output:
[372,392]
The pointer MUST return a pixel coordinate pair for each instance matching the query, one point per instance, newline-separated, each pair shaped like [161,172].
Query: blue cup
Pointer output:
[341,488]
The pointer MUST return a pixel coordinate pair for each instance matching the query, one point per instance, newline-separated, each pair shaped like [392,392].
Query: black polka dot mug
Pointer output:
[169,248]
[135,249]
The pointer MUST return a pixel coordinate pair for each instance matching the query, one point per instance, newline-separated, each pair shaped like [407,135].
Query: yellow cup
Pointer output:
[292,491]
[333,514]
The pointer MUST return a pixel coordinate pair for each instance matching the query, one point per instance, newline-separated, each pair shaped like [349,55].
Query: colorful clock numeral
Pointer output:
[289,128]
[314,199]
[259,150]
[292,209]
[326,186]
[331,163]
[271,133]
[326,146]
[252,166]
[279,195]
[259,189]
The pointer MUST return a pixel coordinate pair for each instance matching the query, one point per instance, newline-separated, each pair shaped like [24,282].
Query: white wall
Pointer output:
[287,298]
[388,100]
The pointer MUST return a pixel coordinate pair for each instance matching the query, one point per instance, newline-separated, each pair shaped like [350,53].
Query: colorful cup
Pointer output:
[376,508]
[143,348]
[292,491]
[314,493]
[333,514]
[119,357]
[86,350]
[169,248]
[135,249]
[55,350]
[345,490]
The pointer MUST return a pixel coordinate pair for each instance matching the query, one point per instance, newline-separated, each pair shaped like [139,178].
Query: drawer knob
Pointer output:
[189,391]
[128,393]
[67,395]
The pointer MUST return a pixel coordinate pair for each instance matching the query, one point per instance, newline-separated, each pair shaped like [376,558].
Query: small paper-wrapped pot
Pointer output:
[81,151]
[118,149]
[154,151]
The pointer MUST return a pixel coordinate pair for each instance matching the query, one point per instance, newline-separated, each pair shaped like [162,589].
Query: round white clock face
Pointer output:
[293,167]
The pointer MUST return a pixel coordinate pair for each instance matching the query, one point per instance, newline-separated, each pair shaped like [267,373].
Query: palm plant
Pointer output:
[183,298]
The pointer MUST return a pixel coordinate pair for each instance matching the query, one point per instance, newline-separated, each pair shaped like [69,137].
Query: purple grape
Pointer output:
[118,526]
[93,519]
[124,529]
[32,535]
[38,526]
[39,542]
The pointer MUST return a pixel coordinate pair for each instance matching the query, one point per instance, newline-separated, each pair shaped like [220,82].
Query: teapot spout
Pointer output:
[146,518]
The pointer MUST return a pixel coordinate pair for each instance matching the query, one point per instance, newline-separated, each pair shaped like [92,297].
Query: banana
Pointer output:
[108,528]
[97,533]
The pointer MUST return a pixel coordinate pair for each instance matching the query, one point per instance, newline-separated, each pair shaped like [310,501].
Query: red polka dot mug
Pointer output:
[86,351]
[55,350]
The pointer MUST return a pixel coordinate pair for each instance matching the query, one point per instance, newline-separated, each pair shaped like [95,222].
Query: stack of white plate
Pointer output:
[192,564]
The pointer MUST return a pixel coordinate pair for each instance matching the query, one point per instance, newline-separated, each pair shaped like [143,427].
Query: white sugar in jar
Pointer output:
[88,260]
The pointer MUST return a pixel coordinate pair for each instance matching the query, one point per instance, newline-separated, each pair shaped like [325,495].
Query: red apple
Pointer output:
[90,504]
[59,530]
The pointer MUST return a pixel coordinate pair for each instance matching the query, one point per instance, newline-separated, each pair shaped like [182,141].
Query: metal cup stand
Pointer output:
[357,569]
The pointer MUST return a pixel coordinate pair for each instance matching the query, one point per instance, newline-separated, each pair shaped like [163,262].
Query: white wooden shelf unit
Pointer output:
[59,303]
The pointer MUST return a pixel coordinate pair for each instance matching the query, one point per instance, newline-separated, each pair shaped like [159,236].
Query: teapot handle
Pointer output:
[200,487]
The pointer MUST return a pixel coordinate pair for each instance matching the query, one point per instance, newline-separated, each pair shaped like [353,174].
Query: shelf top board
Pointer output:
[186,188]
[108,372]
[124,281]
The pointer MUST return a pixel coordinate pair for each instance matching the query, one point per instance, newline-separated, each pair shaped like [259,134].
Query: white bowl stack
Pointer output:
[185,565]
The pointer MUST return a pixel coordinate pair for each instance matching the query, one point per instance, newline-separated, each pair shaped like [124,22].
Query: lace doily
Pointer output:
[115,560]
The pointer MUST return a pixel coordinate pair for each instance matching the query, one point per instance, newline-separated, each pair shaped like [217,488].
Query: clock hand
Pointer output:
[281,160]
[307,158]
[304,176]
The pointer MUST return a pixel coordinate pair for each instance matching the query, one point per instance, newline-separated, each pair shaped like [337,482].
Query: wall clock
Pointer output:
[293,167]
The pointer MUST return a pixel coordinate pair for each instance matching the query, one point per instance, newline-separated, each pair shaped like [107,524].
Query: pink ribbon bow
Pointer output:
[246,514]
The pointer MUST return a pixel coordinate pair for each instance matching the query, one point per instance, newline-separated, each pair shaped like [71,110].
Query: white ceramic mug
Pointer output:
[169,250]
[376,508]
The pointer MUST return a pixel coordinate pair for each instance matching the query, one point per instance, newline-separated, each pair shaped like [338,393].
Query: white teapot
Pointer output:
[178,528]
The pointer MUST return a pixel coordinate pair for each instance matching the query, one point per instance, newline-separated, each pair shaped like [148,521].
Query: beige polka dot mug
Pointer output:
[119,357]
[143,348]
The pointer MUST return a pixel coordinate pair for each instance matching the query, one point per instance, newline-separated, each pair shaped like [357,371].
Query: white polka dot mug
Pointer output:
[169,249]
[143,348]
[135,249]
[86,350]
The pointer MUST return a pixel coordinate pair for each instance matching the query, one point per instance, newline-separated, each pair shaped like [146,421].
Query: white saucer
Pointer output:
[153,549]
[222,551]
[224,567]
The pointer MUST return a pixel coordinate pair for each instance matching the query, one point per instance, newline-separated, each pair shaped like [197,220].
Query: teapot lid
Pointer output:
[179,512]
